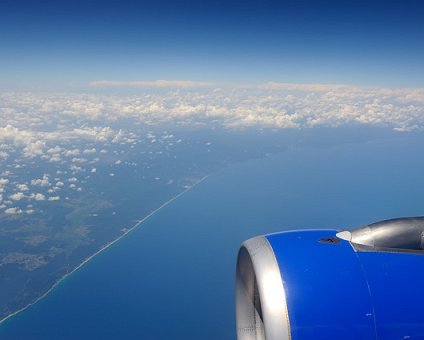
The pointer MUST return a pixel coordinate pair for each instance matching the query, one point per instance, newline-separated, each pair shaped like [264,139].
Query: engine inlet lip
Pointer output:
[261,306]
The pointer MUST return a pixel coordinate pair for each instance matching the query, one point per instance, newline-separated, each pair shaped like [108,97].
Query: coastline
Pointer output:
[111,243]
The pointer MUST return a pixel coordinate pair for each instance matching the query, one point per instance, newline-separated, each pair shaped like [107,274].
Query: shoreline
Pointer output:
[106,246]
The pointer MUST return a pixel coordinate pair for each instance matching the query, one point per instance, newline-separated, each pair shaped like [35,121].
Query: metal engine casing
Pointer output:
[314,285]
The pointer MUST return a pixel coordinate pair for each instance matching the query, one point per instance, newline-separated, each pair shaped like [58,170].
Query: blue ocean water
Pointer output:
[173,278]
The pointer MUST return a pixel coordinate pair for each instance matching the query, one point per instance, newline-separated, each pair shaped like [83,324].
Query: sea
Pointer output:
[173,277]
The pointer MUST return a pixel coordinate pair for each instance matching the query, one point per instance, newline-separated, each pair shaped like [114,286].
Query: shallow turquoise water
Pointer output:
[173,278]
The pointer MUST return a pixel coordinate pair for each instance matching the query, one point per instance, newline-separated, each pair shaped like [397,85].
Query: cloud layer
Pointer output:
[38,123]
[276,105]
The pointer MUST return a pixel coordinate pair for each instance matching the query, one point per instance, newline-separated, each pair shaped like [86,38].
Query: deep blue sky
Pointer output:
[66,44]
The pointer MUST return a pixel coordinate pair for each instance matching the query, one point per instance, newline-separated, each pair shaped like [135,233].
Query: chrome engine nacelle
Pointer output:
[328,284]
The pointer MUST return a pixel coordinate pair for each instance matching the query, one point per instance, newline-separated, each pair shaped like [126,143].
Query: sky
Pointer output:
[66,45]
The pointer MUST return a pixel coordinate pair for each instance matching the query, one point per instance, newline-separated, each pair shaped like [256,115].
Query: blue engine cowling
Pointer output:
[366,283]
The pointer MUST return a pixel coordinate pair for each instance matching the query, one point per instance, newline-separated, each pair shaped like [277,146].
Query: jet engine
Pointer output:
[365,283]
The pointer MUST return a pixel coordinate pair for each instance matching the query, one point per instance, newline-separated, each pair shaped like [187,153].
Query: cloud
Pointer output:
[34,149]
[11,134]
[17,196]
[54,198]
[56,149]
[13,211]
[22,187]
[43,182]
[78,160]
[56,126]
[38,197]
[74,152]
[97,133]
[75,168]
[152,84]
[55,158]
[89,151]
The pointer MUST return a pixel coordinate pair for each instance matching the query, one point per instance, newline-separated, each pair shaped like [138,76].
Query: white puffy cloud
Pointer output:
[43,182]
[34,149]
[13,211]
[74,152]
[22,187]
[56,149]
[78,160]
[54,198]
[11,134]
[3,181]
[89,151]
[17,196]
[38,197]
[75,168]
[97,133]
[55,158]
